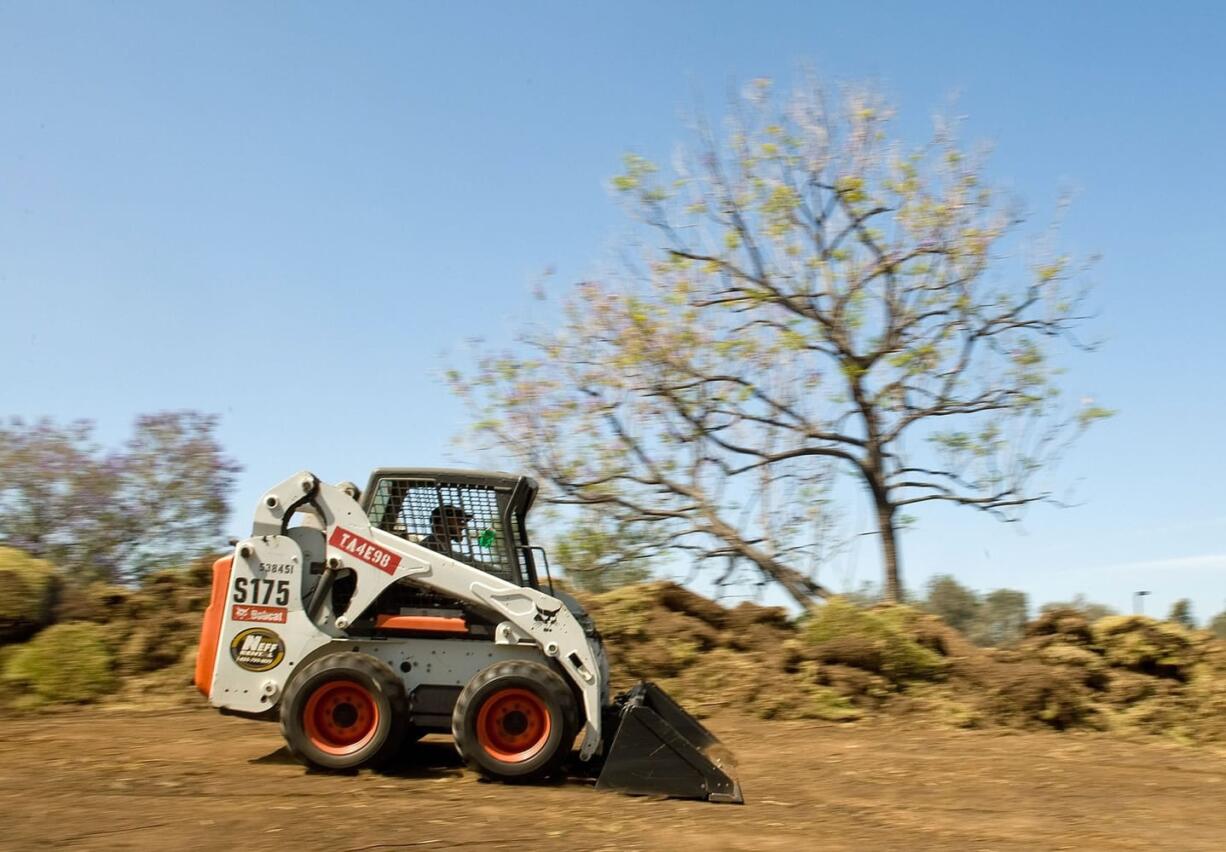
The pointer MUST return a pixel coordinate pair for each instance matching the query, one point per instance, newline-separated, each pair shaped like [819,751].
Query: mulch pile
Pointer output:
[1121,673]
[840,663]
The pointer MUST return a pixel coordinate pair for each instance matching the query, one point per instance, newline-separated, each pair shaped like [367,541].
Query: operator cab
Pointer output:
[475,517]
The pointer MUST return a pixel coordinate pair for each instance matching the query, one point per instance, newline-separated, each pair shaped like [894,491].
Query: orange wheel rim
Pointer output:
[513,725]
[341,717]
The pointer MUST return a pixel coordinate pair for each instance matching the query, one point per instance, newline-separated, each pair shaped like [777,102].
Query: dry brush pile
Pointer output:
[1121,673]
[97,641]
[61,643]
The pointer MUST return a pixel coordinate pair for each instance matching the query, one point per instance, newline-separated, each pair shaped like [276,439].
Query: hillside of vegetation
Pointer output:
[136,646]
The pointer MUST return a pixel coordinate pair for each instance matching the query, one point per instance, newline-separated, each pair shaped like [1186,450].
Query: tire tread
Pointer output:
[379,675]
[557,693]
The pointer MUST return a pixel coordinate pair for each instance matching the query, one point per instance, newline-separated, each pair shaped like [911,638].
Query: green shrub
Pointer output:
[879,640]
[65,663]
[27,588]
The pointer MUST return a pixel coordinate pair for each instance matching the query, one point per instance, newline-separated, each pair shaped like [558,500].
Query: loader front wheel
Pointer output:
[344,711]
[514,721]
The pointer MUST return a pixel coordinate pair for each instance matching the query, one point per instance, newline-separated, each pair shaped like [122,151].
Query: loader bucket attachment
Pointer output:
[659,749]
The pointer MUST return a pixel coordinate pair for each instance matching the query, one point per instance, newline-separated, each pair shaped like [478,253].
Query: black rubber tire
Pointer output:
[380,682]
[553,692]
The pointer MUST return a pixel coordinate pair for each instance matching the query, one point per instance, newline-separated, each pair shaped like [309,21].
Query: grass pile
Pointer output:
[136,646]
[27,591]
[114,643]
[843,662]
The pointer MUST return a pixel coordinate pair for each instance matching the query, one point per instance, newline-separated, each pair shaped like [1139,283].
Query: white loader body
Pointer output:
[360,624]
[266,630]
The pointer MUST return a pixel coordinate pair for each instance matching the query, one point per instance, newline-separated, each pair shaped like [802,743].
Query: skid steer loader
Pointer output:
[358,619]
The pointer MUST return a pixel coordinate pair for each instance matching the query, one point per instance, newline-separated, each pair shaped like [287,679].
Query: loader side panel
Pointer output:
[265,629]
[210,629]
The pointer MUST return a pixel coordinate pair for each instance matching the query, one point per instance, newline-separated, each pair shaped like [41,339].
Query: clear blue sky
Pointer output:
[290,213]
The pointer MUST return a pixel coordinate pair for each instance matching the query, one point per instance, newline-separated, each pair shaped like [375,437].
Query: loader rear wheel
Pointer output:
[344,711]
[515,721]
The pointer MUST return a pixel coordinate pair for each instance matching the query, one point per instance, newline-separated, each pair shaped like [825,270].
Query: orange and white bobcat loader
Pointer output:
[360,619]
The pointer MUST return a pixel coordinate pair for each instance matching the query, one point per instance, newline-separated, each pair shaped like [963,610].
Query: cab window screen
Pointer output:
[463,521]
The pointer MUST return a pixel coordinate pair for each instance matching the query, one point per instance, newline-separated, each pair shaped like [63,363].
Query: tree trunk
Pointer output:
[803,590]
[888,531]
[873,470]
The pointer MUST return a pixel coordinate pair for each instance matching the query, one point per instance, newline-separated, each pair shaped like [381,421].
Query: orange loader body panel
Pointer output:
[210,630]
[425,623]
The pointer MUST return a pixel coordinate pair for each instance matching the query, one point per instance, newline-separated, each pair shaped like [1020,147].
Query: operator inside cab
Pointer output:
[447,527]
[447,523]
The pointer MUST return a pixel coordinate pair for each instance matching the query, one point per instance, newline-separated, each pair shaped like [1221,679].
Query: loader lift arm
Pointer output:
[380,559]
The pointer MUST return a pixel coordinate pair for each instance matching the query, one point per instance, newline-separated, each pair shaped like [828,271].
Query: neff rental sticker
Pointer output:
[365,550]
[257,650]
[262,614]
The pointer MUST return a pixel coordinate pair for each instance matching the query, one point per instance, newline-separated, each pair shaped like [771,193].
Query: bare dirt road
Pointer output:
[124,779]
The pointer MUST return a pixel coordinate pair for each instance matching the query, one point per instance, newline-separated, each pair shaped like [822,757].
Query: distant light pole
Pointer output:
[1138,602]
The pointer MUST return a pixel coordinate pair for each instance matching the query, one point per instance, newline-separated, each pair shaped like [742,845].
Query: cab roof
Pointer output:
[496,479]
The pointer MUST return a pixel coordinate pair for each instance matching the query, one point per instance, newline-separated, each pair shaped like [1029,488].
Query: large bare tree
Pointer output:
[813,296]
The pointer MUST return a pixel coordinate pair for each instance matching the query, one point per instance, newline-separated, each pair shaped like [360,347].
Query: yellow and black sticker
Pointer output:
[257,650]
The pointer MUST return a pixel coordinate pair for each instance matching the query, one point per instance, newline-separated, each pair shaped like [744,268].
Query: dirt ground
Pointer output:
[126,779]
